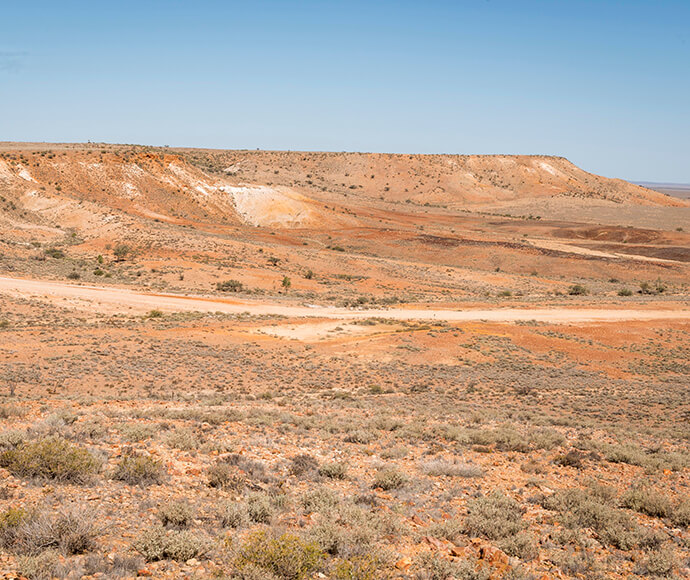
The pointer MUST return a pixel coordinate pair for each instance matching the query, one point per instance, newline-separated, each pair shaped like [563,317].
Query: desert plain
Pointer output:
[262,364]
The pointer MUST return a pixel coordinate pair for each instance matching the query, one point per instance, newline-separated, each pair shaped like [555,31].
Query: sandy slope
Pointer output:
[124,300]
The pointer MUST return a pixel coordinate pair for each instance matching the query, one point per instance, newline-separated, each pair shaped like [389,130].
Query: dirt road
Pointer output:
[123,300]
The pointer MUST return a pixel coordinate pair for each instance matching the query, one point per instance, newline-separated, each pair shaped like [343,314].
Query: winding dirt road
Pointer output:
[122,300]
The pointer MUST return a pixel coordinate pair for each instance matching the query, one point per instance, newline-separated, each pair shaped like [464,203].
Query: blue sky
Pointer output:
[606,84]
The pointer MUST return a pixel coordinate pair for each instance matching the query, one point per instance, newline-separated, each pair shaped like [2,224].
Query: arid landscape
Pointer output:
[292,365]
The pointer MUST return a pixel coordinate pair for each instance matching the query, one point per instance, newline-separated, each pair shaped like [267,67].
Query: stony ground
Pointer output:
[198,446]
[140,441]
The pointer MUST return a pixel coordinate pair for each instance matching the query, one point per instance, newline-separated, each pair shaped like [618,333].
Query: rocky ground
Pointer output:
[137,440]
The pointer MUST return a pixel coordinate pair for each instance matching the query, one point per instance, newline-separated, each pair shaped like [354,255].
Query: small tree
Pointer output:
[286,283]
[121,251]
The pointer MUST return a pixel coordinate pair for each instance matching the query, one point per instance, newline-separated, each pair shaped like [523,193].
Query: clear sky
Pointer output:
[604,83]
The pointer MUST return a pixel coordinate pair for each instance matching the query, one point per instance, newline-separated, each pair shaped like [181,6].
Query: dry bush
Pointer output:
[178,514]
[431,566]
[335,470]
[658,564]
[159,544]
[44,566]
[71,531]
[139,470]
[360,436]
[224,476]
[440,467]
[54,459]
[495,517]
[647,501]
[612,526]
[303,464]
[389,478]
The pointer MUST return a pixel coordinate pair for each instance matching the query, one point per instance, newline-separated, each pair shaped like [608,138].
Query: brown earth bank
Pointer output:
[261,365]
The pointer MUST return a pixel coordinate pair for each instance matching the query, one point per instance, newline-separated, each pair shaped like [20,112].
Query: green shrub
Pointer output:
[10,520]
[52,458]
[139,470]
[287,556]
[625,292]
[578,290]
[495,517]
[357,568]
[230,286]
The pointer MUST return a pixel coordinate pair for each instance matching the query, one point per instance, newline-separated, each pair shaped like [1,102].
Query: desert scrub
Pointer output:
[159,544]
[359,436]
[260,507]
[431,566]
[612,526]
[320,500]
[647,501]
[71,532]
[286,556]
[178,514]
[356,568]
[44,566]
[224,476]
[53,458]
[335,470]
[183,439]
[139,470]
[10,521]
[303,465]
[495,517]
[233,515]
[440,467]
[389,478]
[137,431]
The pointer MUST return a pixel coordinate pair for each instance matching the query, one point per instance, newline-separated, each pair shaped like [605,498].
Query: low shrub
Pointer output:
[159,544]
[495,517]
[178,514]
[224,476]
[647,501]
[51,458]
[287,556]
[452,469]
[578,290]
[335,470]
[71,532]
[230,286]
[139,470]
[389,478]
[303,464]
